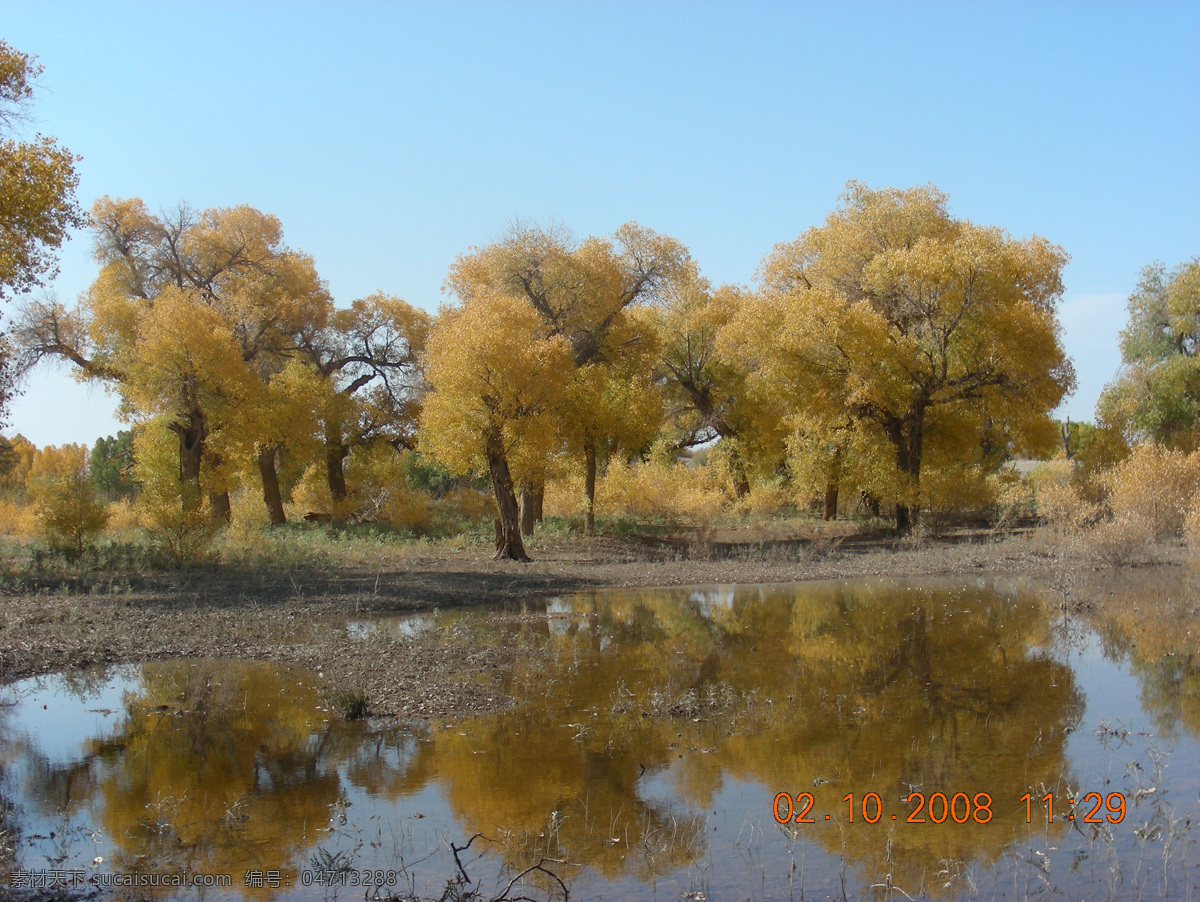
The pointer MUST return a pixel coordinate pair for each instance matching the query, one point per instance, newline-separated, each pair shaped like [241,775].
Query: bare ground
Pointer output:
[297,616]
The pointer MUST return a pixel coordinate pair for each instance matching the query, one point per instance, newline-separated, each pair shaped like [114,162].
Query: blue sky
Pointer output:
[390,137]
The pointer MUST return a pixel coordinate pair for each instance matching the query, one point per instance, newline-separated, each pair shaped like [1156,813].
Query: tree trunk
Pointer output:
[192,432]
[270,483]
[831,501]
[589,486]
[539,499]
[737,469]
[508,518]
[222,510]
[832,486]
[335,453]
[533,490]
[908,438]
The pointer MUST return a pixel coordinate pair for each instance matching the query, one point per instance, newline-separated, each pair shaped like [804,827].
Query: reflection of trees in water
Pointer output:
[635,712]
[870,687]
[218,767]
[1150,616]
[10,821]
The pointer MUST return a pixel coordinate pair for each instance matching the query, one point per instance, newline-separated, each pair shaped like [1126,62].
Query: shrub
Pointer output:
[185,531]
[124,517]
[662,489]
[70,513]
[946,491]
[1155,486]
[17,519]
[1191,526]
[766,498]
[1057,499]
[1121,541]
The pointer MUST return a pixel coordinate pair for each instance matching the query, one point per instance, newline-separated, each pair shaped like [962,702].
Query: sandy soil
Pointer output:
[298,616]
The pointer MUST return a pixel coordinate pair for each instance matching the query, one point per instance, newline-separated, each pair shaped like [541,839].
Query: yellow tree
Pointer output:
[611,404]
[581,292]
[189,318]
[367,379]
[496,382]
[37,195]
[708,397]
[894,329]
[37,184]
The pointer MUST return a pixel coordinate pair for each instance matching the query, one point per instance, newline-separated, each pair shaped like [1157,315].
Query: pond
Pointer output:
[946,739]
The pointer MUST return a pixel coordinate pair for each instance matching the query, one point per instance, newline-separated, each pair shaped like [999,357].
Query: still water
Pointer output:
[923,728]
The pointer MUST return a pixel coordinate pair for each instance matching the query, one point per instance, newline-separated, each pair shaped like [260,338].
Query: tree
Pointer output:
[707,395]
[37,184]
[69,511]
[16,461]
[368,381]
[496,381]
[580,292]
[191,316]
[111,465]
[895,331]
[1156,397]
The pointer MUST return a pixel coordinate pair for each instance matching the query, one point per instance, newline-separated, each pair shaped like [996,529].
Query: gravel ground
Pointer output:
[298,616]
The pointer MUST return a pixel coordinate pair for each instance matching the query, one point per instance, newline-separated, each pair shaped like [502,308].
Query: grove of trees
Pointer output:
[884,355]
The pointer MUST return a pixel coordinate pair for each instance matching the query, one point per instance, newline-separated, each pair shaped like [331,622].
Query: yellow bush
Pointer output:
[1155,486]
[123,516]
[1121,541]
[1191,526]
[70,514]
[246,534]
[946,490]
[765,499]
[311,494]
[407,510]
[1057,498]
[184,531]
[660,489]
[18,520]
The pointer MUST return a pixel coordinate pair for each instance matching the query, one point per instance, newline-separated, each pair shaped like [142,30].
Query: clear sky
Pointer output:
[390,137]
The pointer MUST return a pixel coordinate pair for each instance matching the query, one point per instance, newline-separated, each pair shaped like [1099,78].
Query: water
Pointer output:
[652,732]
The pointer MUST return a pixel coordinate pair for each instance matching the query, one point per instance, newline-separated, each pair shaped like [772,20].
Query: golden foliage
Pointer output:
[1154,489]
[661,489]
[1056,496]
[70,513]
[898,329]
[490,368]
[37,205]
[18,519]
[172,512]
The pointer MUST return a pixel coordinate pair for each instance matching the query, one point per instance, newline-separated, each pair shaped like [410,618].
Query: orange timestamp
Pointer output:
[938,808]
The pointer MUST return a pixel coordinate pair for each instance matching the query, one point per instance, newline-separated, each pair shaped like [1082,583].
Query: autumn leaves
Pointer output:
[889,341]
[890,350]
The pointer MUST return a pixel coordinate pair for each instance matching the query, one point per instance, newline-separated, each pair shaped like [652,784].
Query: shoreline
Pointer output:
[298,617]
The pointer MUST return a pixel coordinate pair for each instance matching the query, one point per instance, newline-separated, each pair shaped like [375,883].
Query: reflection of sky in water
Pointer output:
[56,715]
[404,794]
[403,626]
